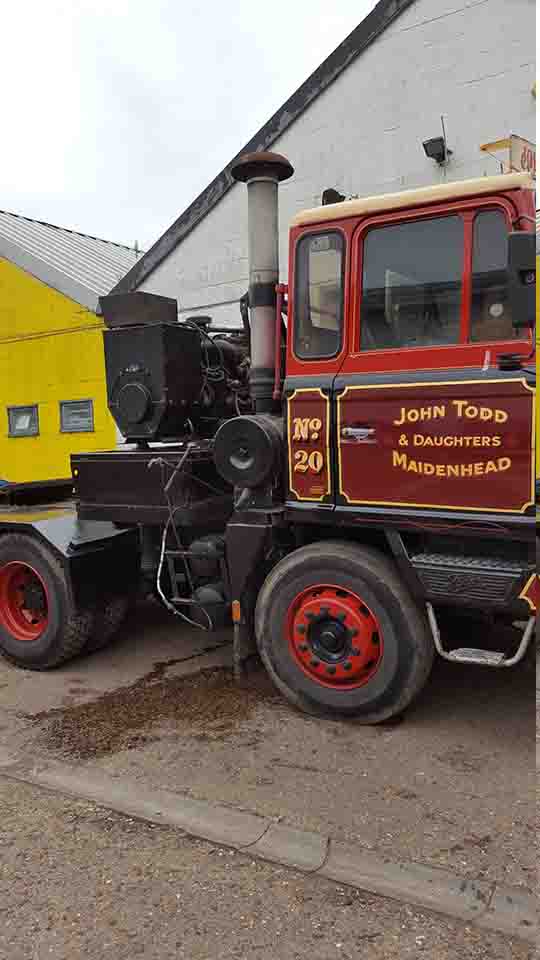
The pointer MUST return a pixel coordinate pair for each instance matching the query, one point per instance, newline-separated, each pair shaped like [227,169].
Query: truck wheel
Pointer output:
[340,634]
[109,616]
[39,626]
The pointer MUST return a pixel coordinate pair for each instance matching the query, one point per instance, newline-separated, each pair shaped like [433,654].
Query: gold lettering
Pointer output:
[301,428]
[301,465]
[496,441]
[314,427]
[460,406]
[402,418]
[478,469]
[471,412]
[316,461]
[501,416]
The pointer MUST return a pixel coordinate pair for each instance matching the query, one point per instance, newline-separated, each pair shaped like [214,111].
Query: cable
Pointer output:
[168,603]
[170,521]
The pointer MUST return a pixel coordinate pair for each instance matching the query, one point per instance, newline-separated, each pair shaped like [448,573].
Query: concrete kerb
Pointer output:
[507,910]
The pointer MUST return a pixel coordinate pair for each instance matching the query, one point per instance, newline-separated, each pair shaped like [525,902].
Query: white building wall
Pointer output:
[471,60]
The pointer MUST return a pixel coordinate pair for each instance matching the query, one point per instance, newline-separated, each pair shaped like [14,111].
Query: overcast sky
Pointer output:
[117,113]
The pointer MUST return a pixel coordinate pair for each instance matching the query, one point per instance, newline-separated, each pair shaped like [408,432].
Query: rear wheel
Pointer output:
[110,614]
[39,625]
[340,634]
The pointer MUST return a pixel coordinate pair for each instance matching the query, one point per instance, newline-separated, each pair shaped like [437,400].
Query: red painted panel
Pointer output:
[466,445]
[308,426]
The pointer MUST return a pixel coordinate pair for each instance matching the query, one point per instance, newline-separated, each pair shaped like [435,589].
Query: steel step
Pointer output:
[468,579]
[468,562]
[487,658]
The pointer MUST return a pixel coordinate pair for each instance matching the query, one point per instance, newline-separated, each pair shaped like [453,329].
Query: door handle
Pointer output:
[359,434]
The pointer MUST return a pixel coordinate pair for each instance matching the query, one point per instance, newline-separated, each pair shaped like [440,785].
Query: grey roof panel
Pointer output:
[80,266]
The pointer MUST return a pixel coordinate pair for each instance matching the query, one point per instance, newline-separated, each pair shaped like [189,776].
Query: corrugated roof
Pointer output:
[80,266]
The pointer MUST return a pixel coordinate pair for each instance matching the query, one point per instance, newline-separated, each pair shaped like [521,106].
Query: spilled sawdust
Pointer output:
[210,705]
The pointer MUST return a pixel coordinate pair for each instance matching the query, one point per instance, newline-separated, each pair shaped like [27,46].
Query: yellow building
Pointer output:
[53,398]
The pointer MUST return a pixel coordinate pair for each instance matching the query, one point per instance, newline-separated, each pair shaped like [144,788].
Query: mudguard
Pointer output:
[98,556]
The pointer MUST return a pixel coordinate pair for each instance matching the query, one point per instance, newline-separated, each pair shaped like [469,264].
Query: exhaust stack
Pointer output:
[262,172]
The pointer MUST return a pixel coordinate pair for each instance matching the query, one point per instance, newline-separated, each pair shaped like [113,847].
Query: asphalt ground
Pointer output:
[450,786]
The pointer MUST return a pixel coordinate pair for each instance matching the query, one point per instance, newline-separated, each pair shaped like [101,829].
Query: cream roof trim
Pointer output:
[413,198]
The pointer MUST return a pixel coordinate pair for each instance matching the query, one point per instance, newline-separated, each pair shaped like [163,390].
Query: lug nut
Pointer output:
[310,615]
[303,647]
[331,670]
[314,663]
[354,632]
[341,616]
[324,611]
[301,628]
[348,665]
[355,652]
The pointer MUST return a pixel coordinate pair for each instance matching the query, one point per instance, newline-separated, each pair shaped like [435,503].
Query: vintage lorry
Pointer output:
[334,476]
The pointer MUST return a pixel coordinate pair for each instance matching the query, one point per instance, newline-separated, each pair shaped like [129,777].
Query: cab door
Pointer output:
[316,347]
[427,416]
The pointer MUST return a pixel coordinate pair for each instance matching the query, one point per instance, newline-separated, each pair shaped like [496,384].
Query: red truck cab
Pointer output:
[406,381]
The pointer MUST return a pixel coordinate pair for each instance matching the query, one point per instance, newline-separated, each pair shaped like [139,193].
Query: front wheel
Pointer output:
[340,634]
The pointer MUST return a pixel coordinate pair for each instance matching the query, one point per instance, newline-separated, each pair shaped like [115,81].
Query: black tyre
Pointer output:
[340,634]
[109,616]
[39,625]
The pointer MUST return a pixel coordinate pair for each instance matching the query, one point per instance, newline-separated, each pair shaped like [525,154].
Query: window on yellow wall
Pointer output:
[23,421]
[76,416]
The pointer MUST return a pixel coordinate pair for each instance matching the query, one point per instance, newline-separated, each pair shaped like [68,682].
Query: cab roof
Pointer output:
[414,198]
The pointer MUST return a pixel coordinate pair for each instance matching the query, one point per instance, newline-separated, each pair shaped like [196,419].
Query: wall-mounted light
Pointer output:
[437,149]
[332,196]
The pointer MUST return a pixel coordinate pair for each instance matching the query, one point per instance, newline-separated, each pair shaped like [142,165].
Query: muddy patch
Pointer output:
[210,705]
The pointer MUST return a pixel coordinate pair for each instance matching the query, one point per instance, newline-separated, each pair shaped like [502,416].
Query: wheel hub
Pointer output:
[23,602]
[334,636]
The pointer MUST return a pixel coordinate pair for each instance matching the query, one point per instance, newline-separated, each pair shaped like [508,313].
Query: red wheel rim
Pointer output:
[24,610]
[334,637]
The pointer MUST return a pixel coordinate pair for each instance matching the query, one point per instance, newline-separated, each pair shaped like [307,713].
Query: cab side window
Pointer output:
[490,311]
[319,296]
[412,284]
